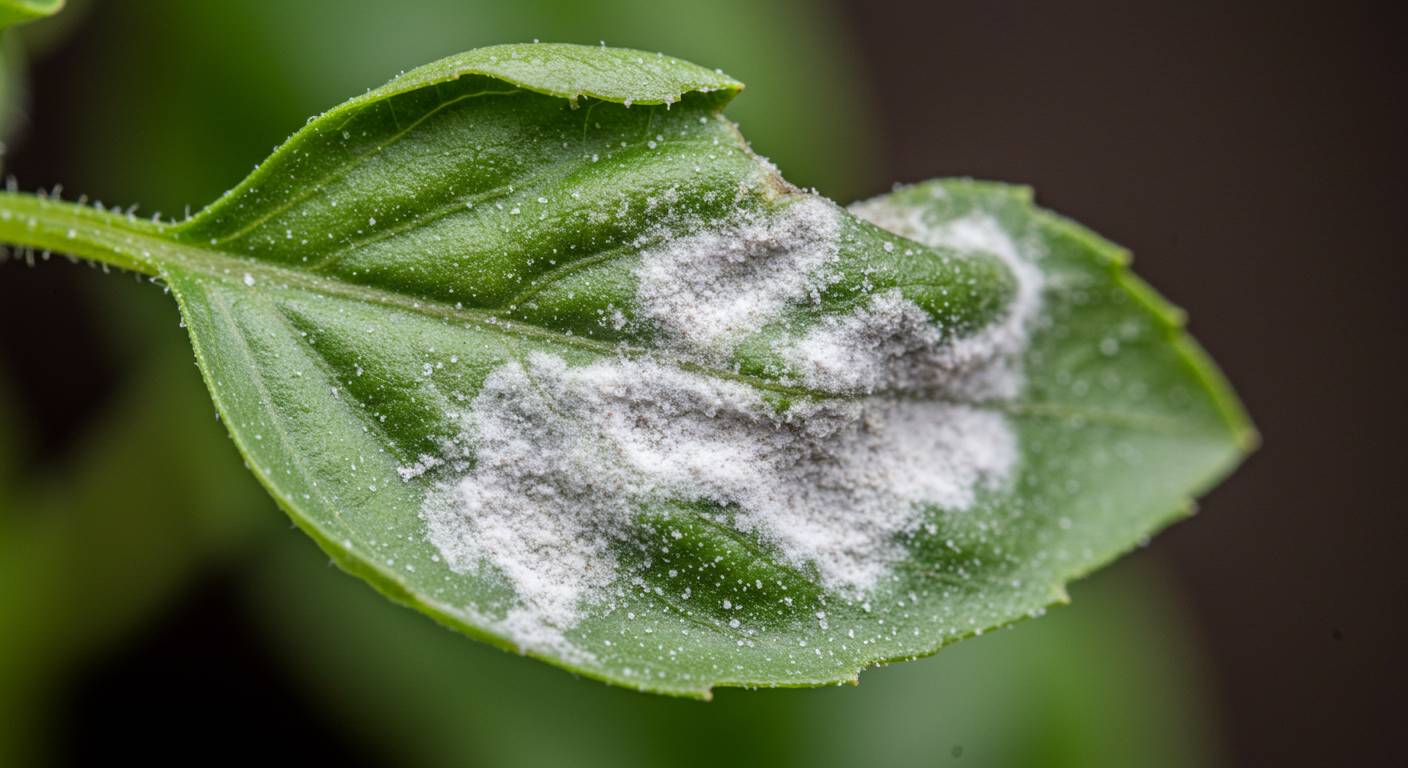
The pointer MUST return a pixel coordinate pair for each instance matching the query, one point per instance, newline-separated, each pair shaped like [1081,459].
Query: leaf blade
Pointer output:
[14,12]
[359,288]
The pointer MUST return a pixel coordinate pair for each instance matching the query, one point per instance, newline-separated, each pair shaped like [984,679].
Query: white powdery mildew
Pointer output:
[890,344]
[569,456]
[705,291]
[424,463]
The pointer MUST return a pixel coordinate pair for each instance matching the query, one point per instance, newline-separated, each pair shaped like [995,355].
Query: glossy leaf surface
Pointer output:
[347,298]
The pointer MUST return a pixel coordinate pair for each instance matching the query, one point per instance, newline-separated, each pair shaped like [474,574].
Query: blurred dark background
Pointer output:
[1252,156]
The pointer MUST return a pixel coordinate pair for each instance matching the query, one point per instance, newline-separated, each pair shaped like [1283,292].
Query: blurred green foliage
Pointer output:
[190,95]
[1102,683]
[92,549]
[219,84]
[21,11]
[12,56]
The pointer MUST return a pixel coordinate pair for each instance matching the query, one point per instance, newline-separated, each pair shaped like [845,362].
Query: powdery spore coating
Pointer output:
[570,456]
[889,344]
[707,290]
[567,457]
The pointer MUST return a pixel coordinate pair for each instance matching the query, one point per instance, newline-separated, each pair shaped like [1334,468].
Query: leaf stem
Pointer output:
[108,237]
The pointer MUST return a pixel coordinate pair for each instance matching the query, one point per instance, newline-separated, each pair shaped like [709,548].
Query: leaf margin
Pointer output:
[389,582]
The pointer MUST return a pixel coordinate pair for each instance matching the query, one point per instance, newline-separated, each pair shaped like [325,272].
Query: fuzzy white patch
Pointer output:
[567,457]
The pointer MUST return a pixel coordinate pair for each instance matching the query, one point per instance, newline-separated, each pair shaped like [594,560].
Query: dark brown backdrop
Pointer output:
[1253,159]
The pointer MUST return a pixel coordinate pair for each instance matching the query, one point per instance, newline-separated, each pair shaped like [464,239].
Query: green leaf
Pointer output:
[12,67]
[14,12]
[532,342]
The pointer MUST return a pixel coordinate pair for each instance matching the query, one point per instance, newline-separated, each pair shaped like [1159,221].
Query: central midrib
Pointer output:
[112,238]
[224,267]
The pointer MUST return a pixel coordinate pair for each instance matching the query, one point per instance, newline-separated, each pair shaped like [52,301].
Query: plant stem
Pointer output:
[108,237]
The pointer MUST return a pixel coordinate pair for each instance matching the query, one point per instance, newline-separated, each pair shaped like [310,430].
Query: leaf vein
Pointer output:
[316,187]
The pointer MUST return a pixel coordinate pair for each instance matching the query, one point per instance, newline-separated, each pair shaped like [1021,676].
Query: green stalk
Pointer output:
[108,237]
